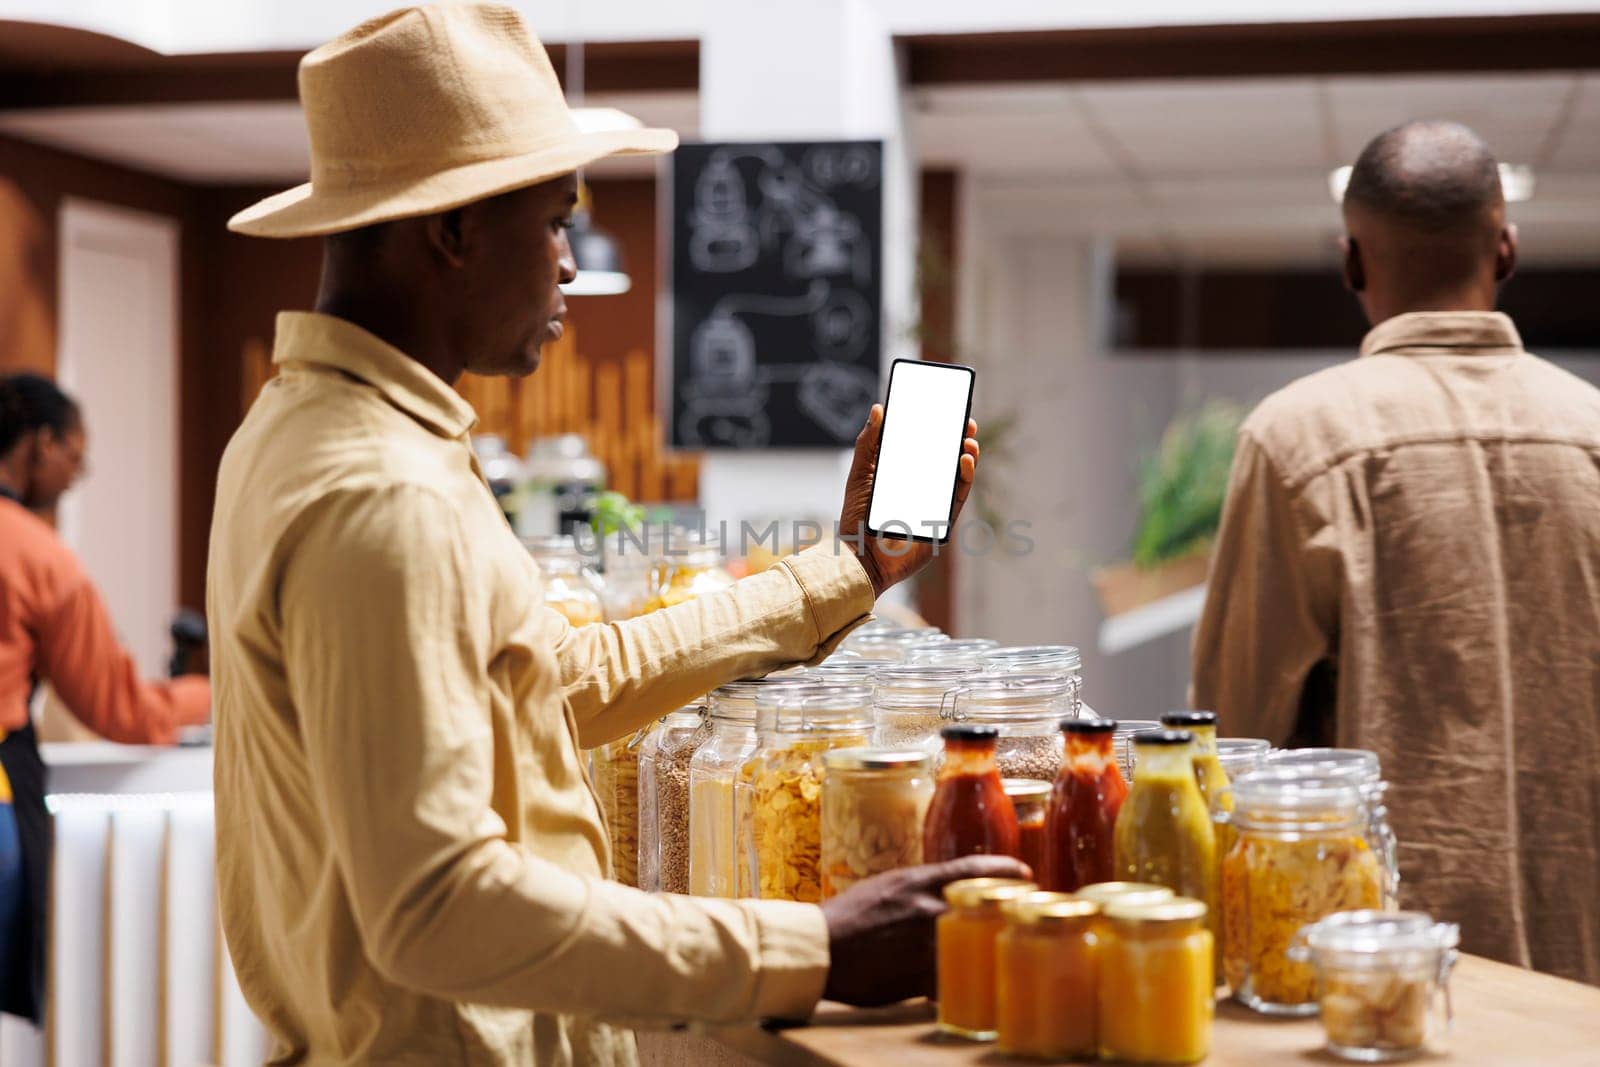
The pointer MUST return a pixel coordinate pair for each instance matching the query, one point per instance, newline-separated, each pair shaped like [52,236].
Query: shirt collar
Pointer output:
[7,494]
[310,337]
[1444,333]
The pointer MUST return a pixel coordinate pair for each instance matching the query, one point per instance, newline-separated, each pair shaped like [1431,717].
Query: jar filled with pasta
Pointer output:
[907,702]
[1301,855]
[1026,712]
[1041,659]
[714,869]
[780,785]
[614,769]
[690,565]
[664,826]
[1361,766]
[571,586]
[873,803]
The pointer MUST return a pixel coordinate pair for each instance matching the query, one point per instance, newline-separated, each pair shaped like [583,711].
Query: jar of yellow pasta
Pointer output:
[690,565]
[571,586]
[1301,855]
[780,786]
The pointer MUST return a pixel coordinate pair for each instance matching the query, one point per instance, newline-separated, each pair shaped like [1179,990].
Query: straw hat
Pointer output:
[428,108]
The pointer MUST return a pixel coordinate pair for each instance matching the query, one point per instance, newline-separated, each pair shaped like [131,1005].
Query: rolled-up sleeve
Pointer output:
[620,676]
[388,648]
[1270,611]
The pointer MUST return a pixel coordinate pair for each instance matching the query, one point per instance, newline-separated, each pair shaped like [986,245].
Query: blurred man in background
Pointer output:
[1409,562]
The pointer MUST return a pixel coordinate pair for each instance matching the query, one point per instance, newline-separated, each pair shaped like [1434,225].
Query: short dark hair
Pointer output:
[1432,175]
[30,402]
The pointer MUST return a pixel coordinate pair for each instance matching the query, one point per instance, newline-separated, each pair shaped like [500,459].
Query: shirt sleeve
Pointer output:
[1271,604]
[387,641]
[98,681]
[620,676]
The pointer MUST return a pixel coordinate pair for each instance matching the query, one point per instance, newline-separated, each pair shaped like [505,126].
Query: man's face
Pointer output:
[518,258]
[58,462]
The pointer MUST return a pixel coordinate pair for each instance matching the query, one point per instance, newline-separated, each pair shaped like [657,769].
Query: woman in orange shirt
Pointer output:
[54,627]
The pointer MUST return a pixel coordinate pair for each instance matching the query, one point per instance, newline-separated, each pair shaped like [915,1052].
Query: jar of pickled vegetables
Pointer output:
[1030,799]
[966,935]
[1047,978]
[873,803]
[1164,832]
[664,760]
[907,701]
[1301,856]
[1041,659]
[1382,982]
[1080,837]
[781,783]
[691,565]
[614,769]
[1026,710]
[1156,1001]
[571,586]
[1362,767]
[713,868]
[889,646]
[966,652]
[970,814]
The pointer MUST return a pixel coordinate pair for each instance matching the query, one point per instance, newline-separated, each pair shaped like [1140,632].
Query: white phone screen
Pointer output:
[924,424]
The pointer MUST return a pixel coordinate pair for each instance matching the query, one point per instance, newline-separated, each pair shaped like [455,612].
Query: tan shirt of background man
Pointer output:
[1409,562]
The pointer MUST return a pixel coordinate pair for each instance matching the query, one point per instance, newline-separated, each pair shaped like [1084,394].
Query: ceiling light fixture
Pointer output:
[1516,182]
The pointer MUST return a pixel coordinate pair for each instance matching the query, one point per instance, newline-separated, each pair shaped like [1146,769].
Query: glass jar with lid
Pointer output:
[908,700]
[714,867]
[1157,1001]
[1030,799]
[1046,978]
[614,769]
[664,760]
[1360,765]
[1301,855]
[1026,709]
[691,564]
[1122,743]
[1041,659]
[966,936]
[780,784]
[844,670]
[966,652]
[1383,982]
[889,646]
[1241,755]
[873,803]
[571,586]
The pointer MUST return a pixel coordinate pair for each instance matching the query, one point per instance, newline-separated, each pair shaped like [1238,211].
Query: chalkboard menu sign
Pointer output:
[776,300]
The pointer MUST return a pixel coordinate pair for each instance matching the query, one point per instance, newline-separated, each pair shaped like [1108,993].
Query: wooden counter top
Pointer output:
[1504,1017]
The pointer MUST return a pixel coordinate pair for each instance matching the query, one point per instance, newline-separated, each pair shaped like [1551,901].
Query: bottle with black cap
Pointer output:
[970,813]
[1214,787]
[1164,832]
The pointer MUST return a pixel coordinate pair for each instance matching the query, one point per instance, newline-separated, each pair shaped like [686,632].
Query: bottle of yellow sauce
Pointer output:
[966,944]
[1046,978]
[1217,790]
[1164,833]
[1155,990]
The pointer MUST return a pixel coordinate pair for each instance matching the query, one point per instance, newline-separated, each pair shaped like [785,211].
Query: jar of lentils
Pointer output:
[664,826]
[1026,709]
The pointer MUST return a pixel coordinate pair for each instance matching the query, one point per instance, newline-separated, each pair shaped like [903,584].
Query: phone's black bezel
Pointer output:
[961,440]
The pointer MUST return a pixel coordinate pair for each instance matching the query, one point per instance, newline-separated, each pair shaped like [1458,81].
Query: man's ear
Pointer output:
[1355,272]
[1505,253]
[447,236]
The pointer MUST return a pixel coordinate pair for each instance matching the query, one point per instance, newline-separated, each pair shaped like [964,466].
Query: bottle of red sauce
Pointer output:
[970,813]
[1080,831]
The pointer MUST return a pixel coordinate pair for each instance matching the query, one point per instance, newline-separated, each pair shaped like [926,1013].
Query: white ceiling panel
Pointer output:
[1512,112]
[1015,130]
[1579,146]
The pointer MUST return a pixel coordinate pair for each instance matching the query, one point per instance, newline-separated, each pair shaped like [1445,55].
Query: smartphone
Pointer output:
[919,452]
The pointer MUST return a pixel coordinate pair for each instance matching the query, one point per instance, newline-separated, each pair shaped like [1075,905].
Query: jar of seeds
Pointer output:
[907,702]
[664,827]
[1026,709]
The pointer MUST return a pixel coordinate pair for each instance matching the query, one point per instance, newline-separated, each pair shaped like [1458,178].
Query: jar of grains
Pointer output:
[1041,659]
[1301,855]
[966,652]
[873,801]
[780,784]
[1361,766]
[664,825]
[907,701]
[614,769]
[713,870]
[571,586]
[1026,709]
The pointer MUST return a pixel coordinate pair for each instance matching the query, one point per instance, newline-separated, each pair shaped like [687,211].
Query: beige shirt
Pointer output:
[1409,562]
[411,861]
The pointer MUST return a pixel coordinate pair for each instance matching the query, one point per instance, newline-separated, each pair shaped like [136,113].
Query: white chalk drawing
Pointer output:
[781,209]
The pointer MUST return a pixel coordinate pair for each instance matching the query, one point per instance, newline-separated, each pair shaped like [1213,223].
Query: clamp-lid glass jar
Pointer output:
[1026,709]
[889,646]
[1360,765]
[968,652]
[664,760]
[781,783]
[571,585]
[1041,659]
[873,803]
[907,703]
[1383,981]
[690,565]
[1301,855]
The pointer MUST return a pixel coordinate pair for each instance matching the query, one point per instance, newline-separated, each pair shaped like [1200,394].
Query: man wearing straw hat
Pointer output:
[411,863]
